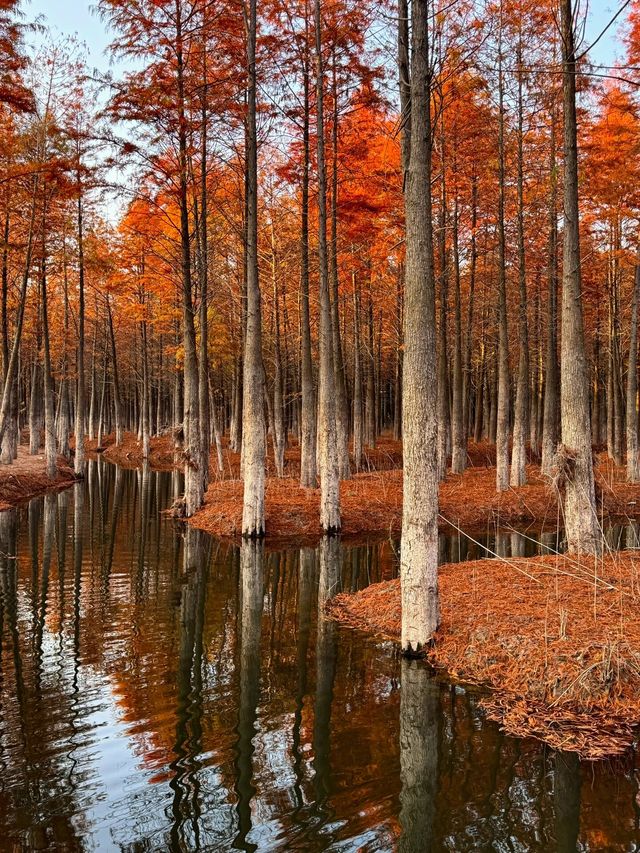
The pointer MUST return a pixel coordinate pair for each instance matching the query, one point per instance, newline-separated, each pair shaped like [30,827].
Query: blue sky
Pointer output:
[75,16]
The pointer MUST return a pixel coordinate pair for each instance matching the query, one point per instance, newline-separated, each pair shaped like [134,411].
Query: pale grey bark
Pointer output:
[327,437]
[579,504]
[633,460]
[357,379]
[458,438]
[550,416]
[419,549]
[342,402]
[50,448]
[253,427]
[502,410]
[521,409]
[78,461]
[419,715]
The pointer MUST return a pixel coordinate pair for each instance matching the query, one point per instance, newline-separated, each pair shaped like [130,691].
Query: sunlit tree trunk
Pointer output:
[521,409]
[327,439]
[193,474]
[419,548]
[342,402]
[550,417]
[502,411]
[50,449]
[308,470]
[254,439]
[633,461]
[458,438]
[357,378]
[579,503]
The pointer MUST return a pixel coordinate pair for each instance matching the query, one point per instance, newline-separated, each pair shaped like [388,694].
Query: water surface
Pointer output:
[162,691]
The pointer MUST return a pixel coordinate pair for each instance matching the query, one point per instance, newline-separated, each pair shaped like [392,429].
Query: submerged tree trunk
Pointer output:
[327,438]
[576,462]
[419,548]
[254,439]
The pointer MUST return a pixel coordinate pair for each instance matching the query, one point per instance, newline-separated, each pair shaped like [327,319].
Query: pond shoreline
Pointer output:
[27,478]
[554,639]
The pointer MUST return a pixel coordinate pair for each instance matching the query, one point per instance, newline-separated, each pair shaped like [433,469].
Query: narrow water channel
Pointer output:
[160,690]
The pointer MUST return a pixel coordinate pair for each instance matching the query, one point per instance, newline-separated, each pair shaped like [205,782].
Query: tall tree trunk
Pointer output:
[466,367]
[458,438]
[419,548]
[254,439]
[357,378]
[502,413]
[279,437]
[78,463]
[579,502]
[50,449]
[521,409]
[550,418]
[8,407]
[342,402]
[308,397]
[327,438]
[203,363]
[117,399]
[194,477]
[633,461]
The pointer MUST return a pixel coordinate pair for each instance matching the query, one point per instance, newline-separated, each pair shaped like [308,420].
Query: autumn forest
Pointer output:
[349,271]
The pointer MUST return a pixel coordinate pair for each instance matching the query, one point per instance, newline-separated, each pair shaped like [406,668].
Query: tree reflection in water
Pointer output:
[160,691]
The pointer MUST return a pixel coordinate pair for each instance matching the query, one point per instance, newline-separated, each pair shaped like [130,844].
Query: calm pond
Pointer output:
[162,691]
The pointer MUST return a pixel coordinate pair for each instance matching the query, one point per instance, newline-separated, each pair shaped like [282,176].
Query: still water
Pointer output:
[162,691]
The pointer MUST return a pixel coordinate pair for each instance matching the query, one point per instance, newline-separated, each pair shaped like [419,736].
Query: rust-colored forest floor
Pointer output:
[555,638]
[27,477]
[371,504]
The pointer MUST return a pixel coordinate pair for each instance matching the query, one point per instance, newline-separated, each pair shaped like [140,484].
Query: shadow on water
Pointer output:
[163,691]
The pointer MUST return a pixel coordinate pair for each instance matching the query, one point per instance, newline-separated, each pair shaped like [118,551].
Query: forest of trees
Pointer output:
[306,223]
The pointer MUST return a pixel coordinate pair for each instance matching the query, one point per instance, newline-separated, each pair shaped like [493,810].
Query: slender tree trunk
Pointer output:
[458,438]
[279,439]
[50,449]
[342,403]
[78,463]
[502,413]
[466,368]
[357,378]
[117,399]
[327,437]
[308,397]
[633,460]
[203,363]
[194,478]
[521,409]
[579,503]
[254,439]
[550,418]
[419,549]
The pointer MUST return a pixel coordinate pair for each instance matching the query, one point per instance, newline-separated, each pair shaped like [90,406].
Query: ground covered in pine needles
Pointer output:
[371,504]
[27,477]
[555,638]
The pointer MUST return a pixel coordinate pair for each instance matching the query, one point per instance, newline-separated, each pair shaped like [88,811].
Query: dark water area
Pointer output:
[162,691]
